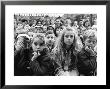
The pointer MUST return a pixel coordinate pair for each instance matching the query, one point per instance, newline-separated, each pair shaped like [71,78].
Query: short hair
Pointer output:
[24,20]
[49,32]
[48,28]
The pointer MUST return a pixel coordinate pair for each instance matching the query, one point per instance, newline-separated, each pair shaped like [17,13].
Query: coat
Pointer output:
[86,62]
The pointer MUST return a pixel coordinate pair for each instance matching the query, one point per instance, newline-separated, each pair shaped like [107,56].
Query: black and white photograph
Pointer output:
[55,44]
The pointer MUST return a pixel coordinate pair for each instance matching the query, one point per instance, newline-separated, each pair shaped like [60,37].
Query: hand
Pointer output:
[35,56]
[89,49]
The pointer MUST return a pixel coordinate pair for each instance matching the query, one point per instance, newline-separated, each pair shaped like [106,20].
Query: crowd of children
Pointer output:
[55,46]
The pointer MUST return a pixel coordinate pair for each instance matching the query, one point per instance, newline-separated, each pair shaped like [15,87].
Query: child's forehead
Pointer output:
[38,40]
[50,35]
[69,33]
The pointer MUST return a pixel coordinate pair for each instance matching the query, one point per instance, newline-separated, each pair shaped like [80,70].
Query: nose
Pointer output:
[49,39]
[37,46]
[69,38]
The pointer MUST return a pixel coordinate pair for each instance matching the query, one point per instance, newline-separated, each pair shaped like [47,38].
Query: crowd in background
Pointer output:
[52,45]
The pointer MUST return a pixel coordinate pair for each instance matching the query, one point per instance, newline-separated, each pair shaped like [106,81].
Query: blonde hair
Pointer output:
[59,45]
[90,33]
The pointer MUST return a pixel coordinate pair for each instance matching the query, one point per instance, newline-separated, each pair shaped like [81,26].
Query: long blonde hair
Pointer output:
[59,45]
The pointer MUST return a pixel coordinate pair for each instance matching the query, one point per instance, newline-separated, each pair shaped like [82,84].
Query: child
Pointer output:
[66,50]
[50,28]
[75,25]
[50,40]
[68,22]
[87,25]
[58,31]
[81,30]
[87,56]
[40,63]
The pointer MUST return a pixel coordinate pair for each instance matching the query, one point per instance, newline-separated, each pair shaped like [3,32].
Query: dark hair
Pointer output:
[48,28]
[86,22]
[60,20]
[39,21]
[55,31]
[24,20]
[70,19]
[49,32]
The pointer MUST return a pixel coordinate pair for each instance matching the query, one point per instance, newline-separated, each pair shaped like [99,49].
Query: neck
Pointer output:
[68,47]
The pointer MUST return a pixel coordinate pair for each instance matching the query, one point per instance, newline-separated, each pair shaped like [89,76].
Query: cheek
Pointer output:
[72,39]
[52,40]
[57,32]
[47,40]
[33,47]
[65,39]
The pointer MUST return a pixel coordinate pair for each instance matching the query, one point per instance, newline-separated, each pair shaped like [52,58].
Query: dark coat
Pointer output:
[86,63]
[41,66]
[21,63]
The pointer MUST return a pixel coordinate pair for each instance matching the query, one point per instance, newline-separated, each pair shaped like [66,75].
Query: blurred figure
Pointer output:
[50,40]
[50,28]
[75,25]
[58,31]
[58,22]
[81,30]
[94,27]
[68,22]
[87,25]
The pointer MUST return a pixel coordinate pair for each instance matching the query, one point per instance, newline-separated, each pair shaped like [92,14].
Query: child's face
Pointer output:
[75,22]
[30,34]
[39,30]
[45,28]
[87,24]
[20,26]
[68,38]
[90,42]
[38,45]
[58,31]
[39,23]
[68,22]
[81,22]
[58,22]
[50,38]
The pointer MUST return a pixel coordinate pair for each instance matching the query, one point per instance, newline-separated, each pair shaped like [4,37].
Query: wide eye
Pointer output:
[35,43]
[71,36]
[66,36]
[51,37]
[41,44]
